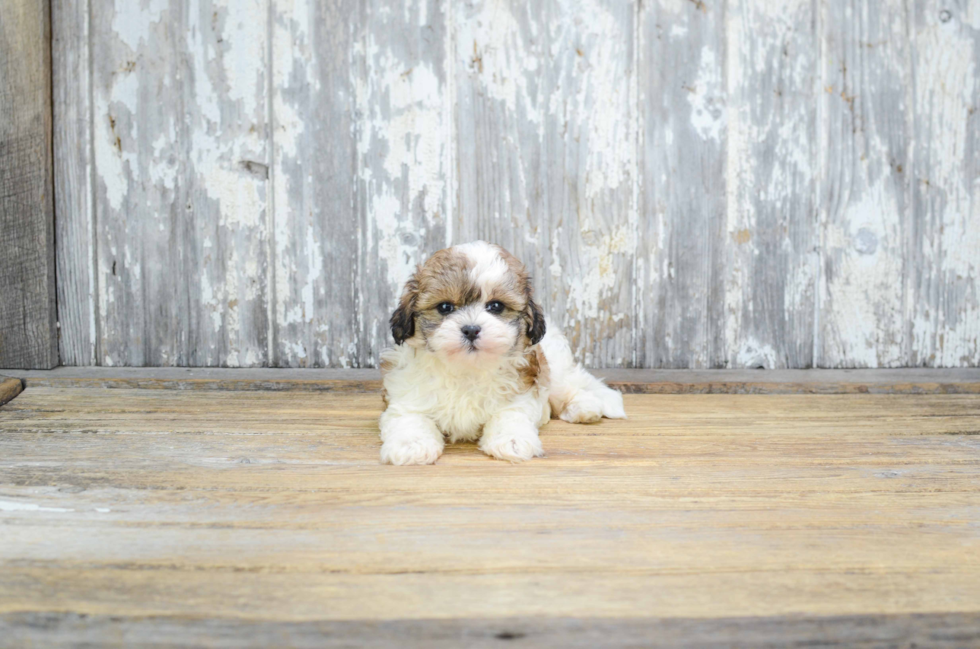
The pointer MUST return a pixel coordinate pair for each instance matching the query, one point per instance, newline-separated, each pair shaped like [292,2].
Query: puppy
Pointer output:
[476,360]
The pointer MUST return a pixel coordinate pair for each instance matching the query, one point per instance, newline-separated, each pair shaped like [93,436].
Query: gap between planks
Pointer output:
[814,381]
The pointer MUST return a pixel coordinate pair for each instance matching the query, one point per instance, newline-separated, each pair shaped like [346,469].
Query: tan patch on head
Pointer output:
[445,278]
[521,293]
[517,287]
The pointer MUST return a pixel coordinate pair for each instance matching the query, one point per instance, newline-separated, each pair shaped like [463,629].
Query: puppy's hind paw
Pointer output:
[584,408]
[612,403]
[592,404]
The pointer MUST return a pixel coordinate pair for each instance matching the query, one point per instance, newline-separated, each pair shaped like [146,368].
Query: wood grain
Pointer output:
[770,244]
[179,113]
[75,227]
[867,219]
[28,312]
[681,264]
[943,314]
[729,257]
[314,239]
[272,508]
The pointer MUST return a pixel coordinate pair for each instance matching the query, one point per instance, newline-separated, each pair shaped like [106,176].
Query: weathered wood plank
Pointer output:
[916,381]
[316,314]
[943,314]
[9,388]
[924,630]
[404,163]
[681,261]
[76,233]
[181,158]
[28,315]
[770,245]
[546,151]
[867,220]
[728,185]
[710,507]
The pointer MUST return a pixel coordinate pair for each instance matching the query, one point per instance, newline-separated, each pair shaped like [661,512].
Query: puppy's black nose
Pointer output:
[470,331]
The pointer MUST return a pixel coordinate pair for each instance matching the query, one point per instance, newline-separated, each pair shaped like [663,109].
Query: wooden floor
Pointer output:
[228,517]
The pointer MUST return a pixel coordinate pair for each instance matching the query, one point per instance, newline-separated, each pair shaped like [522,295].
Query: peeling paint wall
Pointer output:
[770,183]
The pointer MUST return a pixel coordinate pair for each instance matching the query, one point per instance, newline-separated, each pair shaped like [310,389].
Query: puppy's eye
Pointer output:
[495,307]
[445,308]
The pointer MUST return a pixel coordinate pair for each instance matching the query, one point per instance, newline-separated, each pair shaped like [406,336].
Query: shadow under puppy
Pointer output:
[475,359]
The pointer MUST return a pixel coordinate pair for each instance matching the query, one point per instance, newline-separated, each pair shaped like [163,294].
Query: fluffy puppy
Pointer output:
[475,359]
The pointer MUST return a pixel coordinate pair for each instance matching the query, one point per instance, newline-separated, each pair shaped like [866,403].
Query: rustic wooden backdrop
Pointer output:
[694,183]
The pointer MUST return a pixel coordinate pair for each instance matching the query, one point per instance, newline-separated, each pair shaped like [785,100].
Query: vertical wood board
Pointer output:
[866,221]
[546,148]
[313,316]
[943,319]
[28,318]
[181,171]
[771,70]
[75,228]
[681,263]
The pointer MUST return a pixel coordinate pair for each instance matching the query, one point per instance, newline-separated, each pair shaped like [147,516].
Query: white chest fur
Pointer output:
[459,399]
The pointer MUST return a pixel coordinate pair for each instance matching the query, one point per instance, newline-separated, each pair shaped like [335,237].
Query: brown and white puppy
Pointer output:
[476,360]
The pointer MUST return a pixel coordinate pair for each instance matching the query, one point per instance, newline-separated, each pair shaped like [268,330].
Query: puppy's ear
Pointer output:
[403,319]
[535,322]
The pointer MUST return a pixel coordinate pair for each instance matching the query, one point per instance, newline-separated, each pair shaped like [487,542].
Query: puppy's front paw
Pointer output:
[512,448]
[513,440]
[411,449]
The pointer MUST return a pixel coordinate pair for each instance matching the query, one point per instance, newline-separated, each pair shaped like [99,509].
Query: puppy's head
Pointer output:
[471,303]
